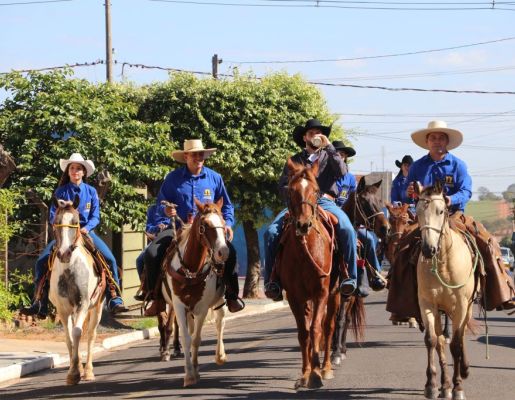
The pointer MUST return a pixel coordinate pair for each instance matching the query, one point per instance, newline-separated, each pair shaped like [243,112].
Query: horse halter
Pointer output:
[422,228]
[312,217]
[366,218]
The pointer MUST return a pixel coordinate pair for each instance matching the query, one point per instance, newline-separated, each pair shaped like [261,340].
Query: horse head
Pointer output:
[303,193]
[369,210]
[66,228]
[432,216]
[209,225]
[399,219]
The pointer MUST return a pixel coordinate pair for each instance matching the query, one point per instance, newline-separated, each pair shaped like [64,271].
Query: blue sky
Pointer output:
[185,36]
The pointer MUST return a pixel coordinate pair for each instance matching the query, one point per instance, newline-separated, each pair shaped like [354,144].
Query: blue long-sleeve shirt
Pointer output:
[180,187]
[346,185]
[152,225]
[89,207]
[399,186]
[453,174]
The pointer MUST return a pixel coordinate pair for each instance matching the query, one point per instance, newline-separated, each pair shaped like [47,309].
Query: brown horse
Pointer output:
[445,273]
[399,221]
[363,208]
[304,266]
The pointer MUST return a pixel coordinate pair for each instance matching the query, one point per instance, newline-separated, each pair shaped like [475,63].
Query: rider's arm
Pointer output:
[94,211]
[227,207]
[335,161]
[395,195]
[463,185]
[167,192]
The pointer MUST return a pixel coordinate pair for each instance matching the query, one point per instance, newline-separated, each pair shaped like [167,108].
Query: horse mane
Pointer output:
[433,190]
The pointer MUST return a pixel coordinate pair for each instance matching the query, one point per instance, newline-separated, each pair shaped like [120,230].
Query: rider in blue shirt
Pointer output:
[400,184]
[75,171]
[331,168]
[440,165]
[346,185]
[181,186]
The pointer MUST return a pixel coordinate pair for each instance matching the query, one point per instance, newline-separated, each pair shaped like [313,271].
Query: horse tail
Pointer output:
[356,314]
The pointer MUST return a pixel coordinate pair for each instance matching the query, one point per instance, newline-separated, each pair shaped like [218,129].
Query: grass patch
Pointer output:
[486,210]
[143,323]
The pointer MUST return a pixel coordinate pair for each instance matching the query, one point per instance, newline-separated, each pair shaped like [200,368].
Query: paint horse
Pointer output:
[304,266]
[445,273]
[363,209]
[192,284]
[76,289]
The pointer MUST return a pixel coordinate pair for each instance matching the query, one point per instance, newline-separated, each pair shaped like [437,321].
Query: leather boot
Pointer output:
[152,310]
[39,306]
[234,303]
[363,288]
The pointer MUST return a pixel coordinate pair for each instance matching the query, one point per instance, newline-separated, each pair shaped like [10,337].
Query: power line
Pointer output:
[407,53]
[20,3]
[86,64]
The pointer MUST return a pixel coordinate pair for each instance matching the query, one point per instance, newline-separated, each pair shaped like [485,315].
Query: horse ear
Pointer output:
[377,184]
[361,185]
[418,187]
[55,203]
[389,206]
[314,168]
[76,201]
[291,165]
[199,205]
[405,207]
[220,202]
[438,187]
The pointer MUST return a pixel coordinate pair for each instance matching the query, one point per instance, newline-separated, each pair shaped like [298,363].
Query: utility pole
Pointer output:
[214,65]
[109,47]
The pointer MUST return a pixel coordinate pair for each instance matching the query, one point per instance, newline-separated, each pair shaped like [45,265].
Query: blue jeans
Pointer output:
[345,237]
[140,261]
[41,264]
[370,241]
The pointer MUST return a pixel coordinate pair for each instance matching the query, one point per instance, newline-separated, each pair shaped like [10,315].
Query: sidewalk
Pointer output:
[20,357]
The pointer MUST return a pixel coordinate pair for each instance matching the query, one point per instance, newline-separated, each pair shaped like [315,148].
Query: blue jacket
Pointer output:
[346,185]
[180,187]
[152,224]
[399,186]
[451,171]
[89,206]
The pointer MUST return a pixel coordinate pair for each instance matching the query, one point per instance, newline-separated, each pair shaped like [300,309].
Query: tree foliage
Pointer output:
[509,193]
[485,194]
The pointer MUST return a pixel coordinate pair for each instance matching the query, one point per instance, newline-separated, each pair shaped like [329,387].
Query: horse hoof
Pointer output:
[431,393]
[396,323]
[165,357]
[458,395]
[336,360]
[300,383]
[190,380]
[89,376]
[327,374]
[176,353]
[315,381]
[221,360]
[445,393]
[73,379]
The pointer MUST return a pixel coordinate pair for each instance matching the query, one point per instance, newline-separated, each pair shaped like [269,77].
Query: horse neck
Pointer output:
[196,252]
[350,207]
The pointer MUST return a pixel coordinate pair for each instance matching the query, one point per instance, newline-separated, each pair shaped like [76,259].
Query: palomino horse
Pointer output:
[76,290]
[364,209]
[304,266]
[445,273]
[193,285]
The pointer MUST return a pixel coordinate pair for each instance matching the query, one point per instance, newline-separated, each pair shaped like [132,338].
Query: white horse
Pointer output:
[445,274]
[76,290]
[193,285]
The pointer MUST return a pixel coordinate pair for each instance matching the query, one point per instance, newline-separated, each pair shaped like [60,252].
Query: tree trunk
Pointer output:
[251,289]
[7,165]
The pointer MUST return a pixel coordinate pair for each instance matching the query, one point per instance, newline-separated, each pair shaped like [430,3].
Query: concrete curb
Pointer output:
[50,360]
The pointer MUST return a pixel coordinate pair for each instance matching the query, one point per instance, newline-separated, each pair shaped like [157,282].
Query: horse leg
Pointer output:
[446,330]
[94,319]
[302,316]
[176,344]
[319,308]
[445,389]
[338,356]
[429,312]
[459,323]
[195,344]
[220,356]
[76,332]
[163,320]
[329,324]
[182,320]
[67,324]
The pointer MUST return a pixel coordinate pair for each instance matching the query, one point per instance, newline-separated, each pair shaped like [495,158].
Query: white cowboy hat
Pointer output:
[78,159]
[455,136]
[192,146]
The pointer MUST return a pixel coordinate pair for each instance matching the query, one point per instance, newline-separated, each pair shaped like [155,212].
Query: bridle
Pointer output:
[368,220]
[440,230]
[314,210]
[78,234]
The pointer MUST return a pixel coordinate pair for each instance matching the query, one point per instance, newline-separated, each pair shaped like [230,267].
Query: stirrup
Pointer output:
[273,291]
[348,287]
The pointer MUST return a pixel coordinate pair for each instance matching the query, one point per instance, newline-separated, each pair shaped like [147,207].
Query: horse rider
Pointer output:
[441,165]
[180,187]
[76,170]
[346,185]
[316,147]
[400,184]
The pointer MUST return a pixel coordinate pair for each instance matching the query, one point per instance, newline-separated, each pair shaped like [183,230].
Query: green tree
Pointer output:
[509,193]
[485,194]
[250,121]
[49,116]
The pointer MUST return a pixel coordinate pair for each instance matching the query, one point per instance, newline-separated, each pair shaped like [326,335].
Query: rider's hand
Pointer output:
[229,233]
[161,227]
[410,191]
[325,141]
[84,231]
[170,211]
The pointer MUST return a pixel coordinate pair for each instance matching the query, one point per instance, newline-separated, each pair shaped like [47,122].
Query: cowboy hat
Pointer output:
[76,158]
[191,146]
[405,160]
[455,136]
[340,146]
[313,123]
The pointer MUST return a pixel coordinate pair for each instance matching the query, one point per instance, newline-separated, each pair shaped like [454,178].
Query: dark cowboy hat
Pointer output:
[340,146]
[405,160]
[299,131]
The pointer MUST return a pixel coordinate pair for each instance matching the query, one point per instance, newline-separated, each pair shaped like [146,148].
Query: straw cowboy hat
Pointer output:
[76,158]
[340,146]
[407,159]
[455,136]
[299,131]
[191,146]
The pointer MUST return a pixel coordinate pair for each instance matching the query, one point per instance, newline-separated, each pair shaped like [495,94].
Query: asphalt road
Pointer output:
[264,362]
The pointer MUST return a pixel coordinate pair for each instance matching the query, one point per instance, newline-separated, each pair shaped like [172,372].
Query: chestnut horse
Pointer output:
[76,290]
[192,284]
[304,265]
[363,208]
[445,273]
